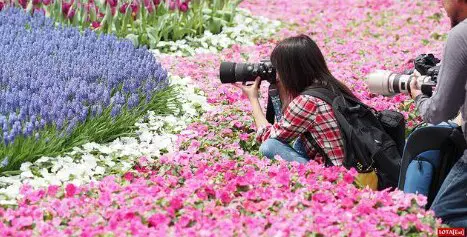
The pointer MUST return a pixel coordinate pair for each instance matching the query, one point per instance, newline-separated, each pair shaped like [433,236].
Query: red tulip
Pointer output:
[23,3]
[71,13]
[183,7]
[112,3]
[36,2]
[123,8]
[46,2]
[1,6]
[148,5]
[95,24]
[66,8]
[156,2]
[134,6]
[172,5]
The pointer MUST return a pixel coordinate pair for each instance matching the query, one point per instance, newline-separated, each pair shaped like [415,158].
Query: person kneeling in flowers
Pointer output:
[300,64]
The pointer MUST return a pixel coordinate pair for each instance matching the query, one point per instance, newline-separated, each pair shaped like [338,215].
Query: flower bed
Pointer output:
[206,194]
[211,180]
[145,22]
[53,98]
[155,136]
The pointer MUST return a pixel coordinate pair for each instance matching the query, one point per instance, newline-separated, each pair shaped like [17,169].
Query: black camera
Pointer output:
[389,83]
[231,72]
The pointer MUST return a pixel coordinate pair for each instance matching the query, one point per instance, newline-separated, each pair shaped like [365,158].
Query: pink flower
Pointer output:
[225,197]
[46,2]
[283,179]
[320,197]
[157,220]
[52,190]
[70,190]
[349,176]
[176,203]
[128,176]
[244,136]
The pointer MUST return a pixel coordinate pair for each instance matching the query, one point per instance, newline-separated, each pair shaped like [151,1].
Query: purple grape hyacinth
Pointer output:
[56,75]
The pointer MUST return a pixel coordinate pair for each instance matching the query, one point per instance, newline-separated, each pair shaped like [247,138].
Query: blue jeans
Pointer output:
[273,147]
[450,204]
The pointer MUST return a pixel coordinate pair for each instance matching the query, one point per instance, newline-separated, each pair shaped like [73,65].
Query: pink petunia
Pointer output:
[70,190]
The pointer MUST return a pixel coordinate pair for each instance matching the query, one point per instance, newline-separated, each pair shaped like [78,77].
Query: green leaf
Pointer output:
[133,38]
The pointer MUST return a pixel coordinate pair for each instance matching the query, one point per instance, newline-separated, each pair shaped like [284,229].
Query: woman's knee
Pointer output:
[269,148]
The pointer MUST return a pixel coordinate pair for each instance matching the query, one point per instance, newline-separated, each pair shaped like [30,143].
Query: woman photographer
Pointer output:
[299,64]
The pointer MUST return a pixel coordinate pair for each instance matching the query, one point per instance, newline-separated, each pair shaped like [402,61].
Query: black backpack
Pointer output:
[369,136]
[428,157]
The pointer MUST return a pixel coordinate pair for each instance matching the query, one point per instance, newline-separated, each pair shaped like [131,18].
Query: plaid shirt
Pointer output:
[307,113]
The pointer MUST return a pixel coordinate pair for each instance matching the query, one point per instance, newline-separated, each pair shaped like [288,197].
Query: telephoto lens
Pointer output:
[231,72]
[387,83]
[237,72]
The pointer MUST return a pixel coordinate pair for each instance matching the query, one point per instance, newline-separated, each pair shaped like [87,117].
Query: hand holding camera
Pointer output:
[388,83]
[250,90]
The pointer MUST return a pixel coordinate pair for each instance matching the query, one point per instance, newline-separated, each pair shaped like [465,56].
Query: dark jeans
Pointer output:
[273,147]
[451,202]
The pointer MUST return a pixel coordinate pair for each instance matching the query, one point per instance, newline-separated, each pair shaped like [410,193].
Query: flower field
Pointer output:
[102,138]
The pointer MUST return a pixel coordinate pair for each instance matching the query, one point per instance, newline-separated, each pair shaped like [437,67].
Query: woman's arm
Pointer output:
[252,93]
[258,114]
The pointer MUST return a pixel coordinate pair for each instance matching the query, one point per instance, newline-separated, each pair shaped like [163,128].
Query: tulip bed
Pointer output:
[210,180]
[145,22]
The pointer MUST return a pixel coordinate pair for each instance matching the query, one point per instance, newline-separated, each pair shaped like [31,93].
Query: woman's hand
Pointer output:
[251,91]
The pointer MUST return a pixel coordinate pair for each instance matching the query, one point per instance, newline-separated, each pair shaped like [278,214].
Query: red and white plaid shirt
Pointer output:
[307,113]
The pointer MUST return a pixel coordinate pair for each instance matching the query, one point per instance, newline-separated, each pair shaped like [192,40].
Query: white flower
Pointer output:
[43,159]
[26,174]
[99,170]
[25,166]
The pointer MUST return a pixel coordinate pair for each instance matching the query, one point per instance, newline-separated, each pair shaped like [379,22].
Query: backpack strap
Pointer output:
[328,97]
[321,93]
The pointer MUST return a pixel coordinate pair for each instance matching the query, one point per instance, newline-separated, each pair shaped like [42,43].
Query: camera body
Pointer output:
[388,83]
[231,72]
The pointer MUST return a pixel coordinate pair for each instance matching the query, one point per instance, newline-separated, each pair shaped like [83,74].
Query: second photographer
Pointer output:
[450,203]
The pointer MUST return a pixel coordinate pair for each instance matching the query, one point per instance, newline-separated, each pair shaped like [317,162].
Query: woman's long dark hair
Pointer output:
[300,64]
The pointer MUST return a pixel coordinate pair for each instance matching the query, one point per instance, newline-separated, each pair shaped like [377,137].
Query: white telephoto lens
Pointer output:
[378,82]
[388,83]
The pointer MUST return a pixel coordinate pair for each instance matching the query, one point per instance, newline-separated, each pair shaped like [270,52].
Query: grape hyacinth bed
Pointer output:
[56,80]
[197,171]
